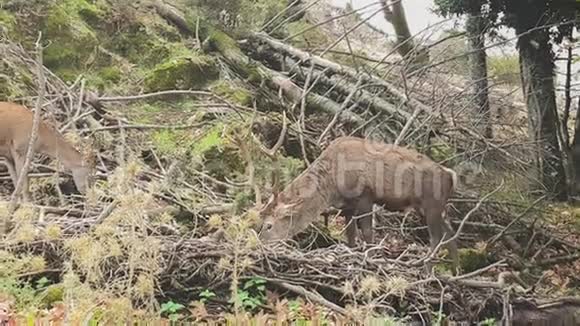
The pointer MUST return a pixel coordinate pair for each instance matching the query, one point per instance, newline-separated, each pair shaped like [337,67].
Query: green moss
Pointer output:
[441,152]
[182,143]
[515,189]
[8,22]
[222,42]
[15,81]
[140,46]
[471,259]
[223,162]
[211,140]
[182,72]
[505,69]
[220,159]
[253,13]
[103,78]
[112,74]
[232,92]
[52,294]
[72,40]
[168,142]
[311,38]
[93,13]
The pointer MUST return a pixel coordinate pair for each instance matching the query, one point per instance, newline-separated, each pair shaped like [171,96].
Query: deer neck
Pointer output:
[316,187]
[54,145]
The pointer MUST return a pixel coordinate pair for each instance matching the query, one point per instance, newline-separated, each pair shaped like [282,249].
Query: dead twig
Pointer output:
[33,135]
[315,297]
[515,220]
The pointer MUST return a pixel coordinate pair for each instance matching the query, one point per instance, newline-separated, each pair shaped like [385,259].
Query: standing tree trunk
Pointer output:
[395,14]
[537,70]
[575,152]
[475,27]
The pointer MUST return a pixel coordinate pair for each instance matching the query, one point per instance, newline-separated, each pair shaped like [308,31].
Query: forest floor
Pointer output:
[177,103]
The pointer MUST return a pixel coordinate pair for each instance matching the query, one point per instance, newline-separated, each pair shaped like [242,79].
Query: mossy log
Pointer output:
[253,72]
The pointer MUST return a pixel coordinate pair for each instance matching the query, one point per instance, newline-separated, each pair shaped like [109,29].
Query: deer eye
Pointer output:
[268,226]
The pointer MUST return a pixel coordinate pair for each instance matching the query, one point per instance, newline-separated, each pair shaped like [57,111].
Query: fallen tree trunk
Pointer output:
[365,98]
[336,83]
[294,93]
[336,68]
[253,71]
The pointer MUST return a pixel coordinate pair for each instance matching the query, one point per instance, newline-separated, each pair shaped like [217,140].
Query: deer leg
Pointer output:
[19,159]
[366,223]
[451,246]
[438,225]
[435,227]
[366,226]
[10,166]
[350,228]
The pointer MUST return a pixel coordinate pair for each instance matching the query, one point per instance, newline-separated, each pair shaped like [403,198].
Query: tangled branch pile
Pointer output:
[125,240]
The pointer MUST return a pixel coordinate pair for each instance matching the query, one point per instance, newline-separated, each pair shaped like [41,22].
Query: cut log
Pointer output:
[294,93]
[365,98]
[334,67]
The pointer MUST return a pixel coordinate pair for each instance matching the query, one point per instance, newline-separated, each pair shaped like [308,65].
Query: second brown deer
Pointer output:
[352,174]
[15,130]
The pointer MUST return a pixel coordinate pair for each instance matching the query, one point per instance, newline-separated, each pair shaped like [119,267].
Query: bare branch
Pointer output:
[33,135]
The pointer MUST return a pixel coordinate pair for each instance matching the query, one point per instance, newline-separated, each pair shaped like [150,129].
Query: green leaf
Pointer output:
[42,283]
[207,294]
[171,307]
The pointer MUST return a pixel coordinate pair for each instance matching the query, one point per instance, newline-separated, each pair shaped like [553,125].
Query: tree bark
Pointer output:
[475,27]
[575,152]
[395,14]
[537,70]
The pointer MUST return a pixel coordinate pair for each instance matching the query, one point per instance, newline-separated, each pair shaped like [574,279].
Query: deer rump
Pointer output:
[352,174]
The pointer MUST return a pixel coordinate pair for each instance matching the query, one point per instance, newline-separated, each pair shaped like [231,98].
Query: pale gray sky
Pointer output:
[418,13]
[421,18]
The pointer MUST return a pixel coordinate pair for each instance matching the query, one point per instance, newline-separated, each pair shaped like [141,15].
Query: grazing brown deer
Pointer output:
[353,174]
[15,129]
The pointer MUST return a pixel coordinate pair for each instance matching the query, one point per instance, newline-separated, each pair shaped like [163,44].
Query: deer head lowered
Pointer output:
[15,129]
[353,174]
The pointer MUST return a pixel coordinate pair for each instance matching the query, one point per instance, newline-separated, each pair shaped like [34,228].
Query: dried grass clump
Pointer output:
[369,286]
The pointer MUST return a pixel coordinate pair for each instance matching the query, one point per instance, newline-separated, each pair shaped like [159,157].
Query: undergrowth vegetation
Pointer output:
[194,167]
[505,69]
